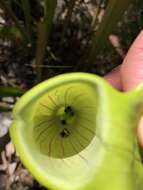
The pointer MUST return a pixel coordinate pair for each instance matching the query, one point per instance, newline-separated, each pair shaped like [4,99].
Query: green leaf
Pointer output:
[4,109]
[49,12]
[44,30]
[10,91]
[10,32]
[114,12]
[27,14]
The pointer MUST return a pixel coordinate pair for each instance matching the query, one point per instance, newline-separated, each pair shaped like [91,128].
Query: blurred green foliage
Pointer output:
[8,92]
[114,12]
[32,23]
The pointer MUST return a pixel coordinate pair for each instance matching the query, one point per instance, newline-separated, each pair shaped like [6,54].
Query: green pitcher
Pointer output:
[76,132]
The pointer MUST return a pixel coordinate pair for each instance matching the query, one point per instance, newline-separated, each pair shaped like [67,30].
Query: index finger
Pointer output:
[132,67]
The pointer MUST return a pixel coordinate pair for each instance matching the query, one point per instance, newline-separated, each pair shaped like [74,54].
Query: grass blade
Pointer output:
[10,91]
[49,12]
[44,29]
[113,14]
[27,14]
[41,48]
[5,109]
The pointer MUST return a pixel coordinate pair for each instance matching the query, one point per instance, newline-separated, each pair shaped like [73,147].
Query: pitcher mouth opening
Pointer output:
[64,122]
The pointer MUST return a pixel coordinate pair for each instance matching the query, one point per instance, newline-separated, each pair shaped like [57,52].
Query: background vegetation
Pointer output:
[41,39]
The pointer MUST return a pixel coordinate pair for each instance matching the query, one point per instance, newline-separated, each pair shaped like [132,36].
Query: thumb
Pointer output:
[132,67]
[132,73]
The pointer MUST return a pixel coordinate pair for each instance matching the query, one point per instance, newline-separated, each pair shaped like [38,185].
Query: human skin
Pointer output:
[129,74]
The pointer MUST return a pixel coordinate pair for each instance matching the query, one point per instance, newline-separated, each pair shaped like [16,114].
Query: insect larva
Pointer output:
[65,133]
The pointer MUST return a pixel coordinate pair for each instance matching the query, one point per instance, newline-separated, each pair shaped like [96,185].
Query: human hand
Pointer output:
[130,73]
